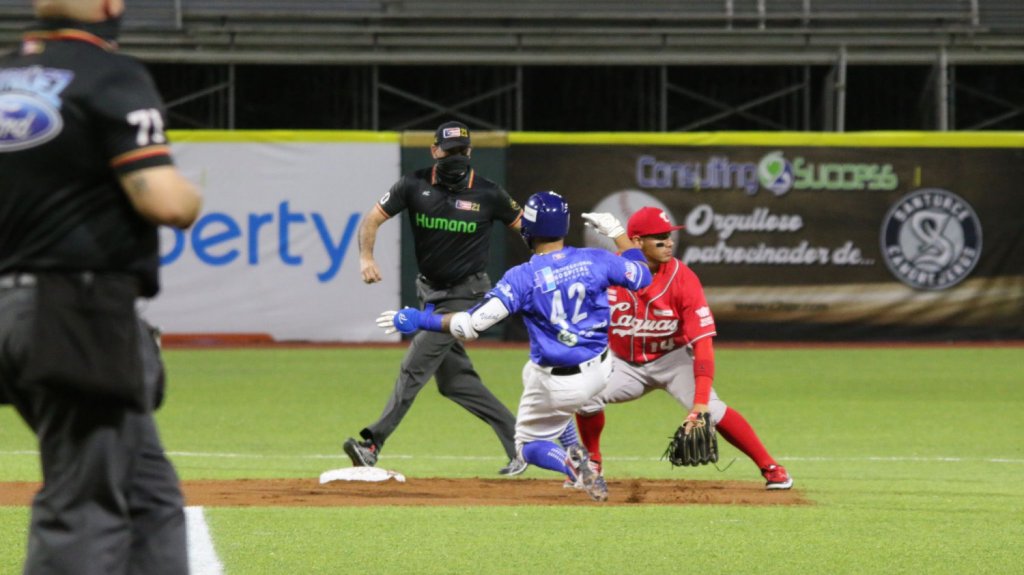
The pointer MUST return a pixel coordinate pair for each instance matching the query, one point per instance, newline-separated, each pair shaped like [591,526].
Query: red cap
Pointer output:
[648,222]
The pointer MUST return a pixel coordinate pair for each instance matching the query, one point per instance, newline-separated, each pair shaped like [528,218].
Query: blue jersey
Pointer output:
[563,298]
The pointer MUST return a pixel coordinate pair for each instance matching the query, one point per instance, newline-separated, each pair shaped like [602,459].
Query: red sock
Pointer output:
[735,429]
[590,428]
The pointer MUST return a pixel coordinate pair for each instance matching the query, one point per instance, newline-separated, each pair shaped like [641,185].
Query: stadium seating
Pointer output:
[554,31]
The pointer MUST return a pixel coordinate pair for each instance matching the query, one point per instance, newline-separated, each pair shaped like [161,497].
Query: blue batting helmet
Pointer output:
[545,215]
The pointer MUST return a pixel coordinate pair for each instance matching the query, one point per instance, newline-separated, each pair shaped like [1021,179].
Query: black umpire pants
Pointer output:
[111,501]
[443,357]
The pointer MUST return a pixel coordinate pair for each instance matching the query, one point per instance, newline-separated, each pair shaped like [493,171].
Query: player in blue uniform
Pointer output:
[562,294]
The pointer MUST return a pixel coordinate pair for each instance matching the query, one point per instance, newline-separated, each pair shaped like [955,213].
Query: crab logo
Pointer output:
[26,121]
[567,338]
[775,173]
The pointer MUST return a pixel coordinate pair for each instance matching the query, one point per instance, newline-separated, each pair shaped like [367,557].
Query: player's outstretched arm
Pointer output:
[468,325]
[604,223]
[623,244]
[411,320]
[464,325]
[609,226]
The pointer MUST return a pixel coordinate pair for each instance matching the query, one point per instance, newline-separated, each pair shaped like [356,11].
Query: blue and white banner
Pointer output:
[275,249]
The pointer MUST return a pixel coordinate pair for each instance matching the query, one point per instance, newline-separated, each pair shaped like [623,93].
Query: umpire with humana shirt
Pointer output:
[451,209]
[85,178]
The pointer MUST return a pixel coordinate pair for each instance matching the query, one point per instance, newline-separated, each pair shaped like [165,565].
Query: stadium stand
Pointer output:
[374,50]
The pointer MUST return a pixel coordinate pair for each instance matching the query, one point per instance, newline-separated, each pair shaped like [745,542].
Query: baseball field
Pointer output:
[907,459]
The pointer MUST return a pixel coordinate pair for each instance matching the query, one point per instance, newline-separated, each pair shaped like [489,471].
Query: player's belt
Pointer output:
[17,280]
[448,285]
[574,369]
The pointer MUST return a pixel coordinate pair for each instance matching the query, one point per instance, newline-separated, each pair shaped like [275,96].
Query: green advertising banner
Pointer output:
[873,236]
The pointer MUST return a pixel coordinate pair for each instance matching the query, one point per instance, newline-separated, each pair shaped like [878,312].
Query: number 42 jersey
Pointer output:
[563,297]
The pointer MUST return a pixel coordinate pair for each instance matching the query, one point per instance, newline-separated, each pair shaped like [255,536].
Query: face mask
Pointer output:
[451,169]
[108,29]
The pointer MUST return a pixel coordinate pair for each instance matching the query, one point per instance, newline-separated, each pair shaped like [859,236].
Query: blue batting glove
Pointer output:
[407,320]
[410,319]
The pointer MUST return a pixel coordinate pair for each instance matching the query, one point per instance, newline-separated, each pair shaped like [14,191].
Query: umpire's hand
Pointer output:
[368,267]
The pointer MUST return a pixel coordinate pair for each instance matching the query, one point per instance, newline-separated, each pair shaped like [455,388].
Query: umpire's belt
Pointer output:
[448,285]
[574,369]
[16,280]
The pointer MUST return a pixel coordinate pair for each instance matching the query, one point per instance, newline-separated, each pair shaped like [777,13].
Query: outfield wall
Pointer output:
[795,236]
[817,236]
[275,249]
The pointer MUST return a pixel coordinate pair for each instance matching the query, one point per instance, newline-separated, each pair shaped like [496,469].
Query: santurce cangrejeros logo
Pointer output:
[931,239]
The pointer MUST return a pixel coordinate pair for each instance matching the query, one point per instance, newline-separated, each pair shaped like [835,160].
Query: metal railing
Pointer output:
[564,32]
[760,14]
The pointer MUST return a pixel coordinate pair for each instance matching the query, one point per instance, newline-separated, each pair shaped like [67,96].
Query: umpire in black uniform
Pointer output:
[451,209]
[85,178]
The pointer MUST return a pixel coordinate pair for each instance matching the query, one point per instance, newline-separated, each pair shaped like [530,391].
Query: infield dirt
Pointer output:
[453,492]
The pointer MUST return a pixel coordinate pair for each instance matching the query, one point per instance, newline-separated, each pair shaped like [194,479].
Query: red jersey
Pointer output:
[666,315]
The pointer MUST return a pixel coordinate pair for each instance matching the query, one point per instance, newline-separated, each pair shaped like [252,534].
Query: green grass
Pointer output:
[913,458]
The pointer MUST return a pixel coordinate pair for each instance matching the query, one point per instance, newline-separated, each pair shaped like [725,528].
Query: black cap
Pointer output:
[451,135]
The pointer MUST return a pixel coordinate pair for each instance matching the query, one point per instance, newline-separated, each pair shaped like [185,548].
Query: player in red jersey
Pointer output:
[660,337]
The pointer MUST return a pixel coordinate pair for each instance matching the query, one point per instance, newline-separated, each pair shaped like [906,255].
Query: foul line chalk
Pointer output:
[202,557]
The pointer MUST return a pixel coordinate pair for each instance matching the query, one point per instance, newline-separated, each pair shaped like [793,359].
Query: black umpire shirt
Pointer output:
[451,227]
[74,115]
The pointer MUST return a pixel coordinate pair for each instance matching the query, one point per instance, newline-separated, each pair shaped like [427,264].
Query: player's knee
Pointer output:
[717,409]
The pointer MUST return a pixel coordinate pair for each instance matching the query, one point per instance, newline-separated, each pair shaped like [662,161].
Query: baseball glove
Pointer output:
[694,443]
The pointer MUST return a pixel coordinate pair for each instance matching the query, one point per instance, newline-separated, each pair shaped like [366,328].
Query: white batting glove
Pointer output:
[605,224]
[386,321]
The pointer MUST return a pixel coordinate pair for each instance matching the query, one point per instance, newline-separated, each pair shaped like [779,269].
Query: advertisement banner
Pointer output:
[275,249]
[850,236]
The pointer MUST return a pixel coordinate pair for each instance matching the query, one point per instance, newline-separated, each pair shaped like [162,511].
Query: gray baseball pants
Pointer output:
[443,357]
[111,501]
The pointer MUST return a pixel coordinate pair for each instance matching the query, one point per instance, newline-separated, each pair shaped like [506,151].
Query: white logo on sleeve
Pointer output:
[150,124]
[506,289]
[631,272]
[704,313]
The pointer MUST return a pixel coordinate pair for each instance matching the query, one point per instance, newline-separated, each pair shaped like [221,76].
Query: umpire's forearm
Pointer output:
[368,233]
